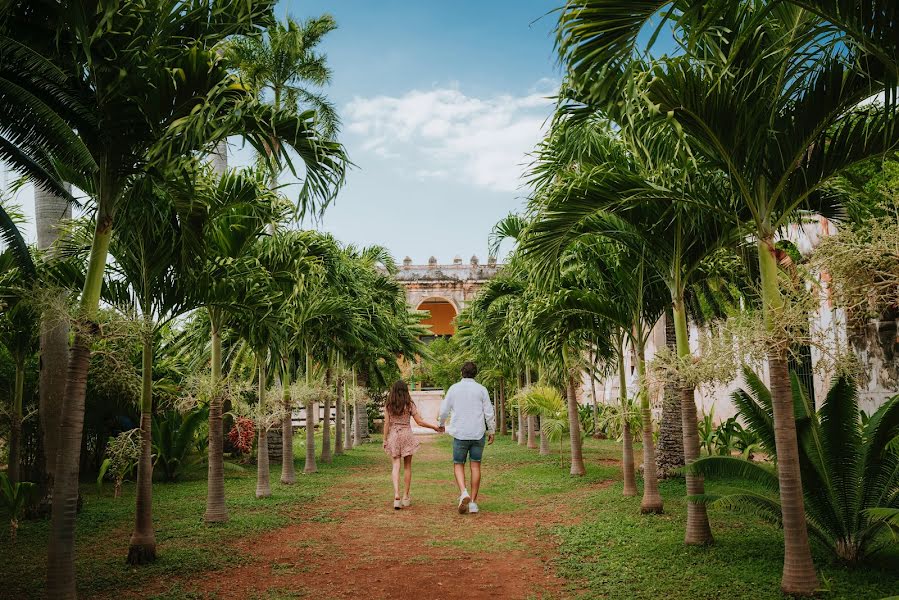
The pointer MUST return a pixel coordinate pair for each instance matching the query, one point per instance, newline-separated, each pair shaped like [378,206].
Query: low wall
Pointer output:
[428,403]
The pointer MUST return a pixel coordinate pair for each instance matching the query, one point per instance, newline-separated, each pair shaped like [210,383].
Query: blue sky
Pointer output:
[440,102]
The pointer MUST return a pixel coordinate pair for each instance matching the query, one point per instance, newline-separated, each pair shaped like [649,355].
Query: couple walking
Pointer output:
[472,426]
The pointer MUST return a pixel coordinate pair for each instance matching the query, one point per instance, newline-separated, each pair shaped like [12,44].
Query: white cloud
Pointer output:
[442,133]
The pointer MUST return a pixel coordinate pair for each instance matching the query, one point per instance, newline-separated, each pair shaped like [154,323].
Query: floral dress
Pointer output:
[400,439]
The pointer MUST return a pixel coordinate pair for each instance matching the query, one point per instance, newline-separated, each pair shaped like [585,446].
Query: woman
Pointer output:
[399,441]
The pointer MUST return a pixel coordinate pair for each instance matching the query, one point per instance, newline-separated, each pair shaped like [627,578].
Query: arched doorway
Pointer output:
[442,314]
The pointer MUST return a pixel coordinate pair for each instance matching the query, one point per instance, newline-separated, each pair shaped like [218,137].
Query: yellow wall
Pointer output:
[442,315]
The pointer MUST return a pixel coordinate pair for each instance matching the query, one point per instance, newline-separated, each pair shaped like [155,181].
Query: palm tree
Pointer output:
[150,278]
[285,62]
[755,106]
[226,286]
[138,118]
[593,182]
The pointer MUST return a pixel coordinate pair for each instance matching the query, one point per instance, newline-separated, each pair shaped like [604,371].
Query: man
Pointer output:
[473,422]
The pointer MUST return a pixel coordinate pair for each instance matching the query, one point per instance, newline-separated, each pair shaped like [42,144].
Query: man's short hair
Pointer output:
[469,370]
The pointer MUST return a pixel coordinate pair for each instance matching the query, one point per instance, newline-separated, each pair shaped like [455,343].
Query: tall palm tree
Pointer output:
[151,278]
[227,284]
[285,63]
[773,105]
[630,185]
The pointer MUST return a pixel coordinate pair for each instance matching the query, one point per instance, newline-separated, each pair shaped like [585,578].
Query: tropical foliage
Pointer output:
[849,467]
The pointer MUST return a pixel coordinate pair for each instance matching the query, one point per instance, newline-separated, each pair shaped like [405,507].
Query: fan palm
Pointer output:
[768,100]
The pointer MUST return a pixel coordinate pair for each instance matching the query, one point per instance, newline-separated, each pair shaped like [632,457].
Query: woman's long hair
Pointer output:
[399,401]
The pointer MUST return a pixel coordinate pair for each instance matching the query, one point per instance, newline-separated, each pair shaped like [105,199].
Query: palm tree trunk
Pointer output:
[49,211]
[670,451]
[61,547]
[216,509]
[799,577]
[310,425]
[512,423]
[503,429]
[142,547]
[263,475]
[338,415]
[593,392]
[544,441]
[288,472]
[348,420]
[15,423]
[574,427]
[699,532]
[627,448]
[522,428]
[652,500]
[326,420]
[357,425]
[532,432]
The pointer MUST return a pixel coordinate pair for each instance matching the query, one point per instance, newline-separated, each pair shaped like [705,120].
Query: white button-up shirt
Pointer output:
[472,413]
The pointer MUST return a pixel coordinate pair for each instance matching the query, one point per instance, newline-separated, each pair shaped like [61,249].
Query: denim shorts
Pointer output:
[472,449]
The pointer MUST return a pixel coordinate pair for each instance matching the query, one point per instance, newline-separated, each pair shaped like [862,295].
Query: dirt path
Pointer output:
[354,545]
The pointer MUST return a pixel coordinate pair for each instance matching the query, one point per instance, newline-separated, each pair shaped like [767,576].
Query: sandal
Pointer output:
[397,505]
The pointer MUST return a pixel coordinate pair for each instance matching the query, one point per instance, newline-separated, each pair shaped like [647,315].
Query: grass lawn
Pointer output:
[606,548]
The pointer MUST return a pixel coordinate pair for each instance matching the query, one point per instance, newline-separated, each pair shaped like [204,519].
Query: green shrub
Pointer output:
[850,468]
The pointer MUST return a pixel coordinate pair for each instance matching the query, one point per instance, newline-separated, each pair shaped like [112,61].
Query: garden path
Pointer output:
[352,544]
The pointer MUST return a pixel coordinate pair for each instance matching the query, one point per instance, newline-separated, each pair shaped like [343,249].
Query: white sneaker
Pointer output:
[464,502]
[473,507]
[407,502]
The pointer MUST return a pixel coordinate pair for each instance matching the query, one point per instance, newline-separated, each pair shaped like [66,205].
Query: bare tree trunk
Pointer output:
[670,452]
[216,510]
[627,449]
[652,500]
[532,432]
[310,466]
[593,393]
[699,532]
[49,211]
[142,547]
[522,428]
[263,474]
[326,420]
[61,546]
[799,575]
[544,441]
[349,427]
[288,471]
[338,417]
[574,426]
[502,407]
